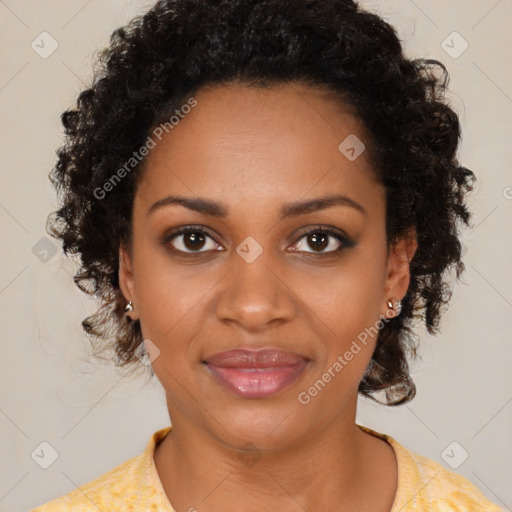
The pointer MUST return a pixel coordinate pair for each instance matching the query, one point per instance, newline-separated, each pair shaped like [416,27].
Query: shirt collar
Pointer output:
[408,476]
[149,482]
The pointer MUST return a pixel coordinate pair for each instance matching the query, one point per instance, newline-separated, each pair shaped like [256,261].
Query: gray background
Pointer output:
[92,415]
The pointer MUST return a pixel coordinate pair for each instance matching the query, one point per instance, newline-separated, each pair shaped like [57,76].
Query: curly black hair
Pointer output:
[163,57]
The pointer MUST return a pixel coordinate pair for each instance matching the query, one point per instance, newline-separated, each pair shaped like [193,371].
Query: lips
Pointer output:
[256,374]
[264,358]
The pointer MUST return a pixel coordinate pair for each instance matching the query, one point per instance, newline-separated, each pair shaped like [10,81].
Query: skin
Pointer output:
[254,151]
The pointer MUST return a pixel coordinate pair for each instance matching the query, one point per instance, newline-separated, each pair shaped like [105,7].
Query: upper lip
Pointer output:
[250,358]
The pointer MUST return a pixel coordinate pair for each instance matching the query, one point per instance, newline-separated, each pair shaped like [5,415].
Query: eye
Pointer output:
[323,241]
[196,239]
[191,239]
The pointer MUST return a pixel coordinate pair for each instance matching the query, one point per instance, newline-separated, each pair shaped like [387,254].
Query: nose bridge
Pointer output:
[253,294]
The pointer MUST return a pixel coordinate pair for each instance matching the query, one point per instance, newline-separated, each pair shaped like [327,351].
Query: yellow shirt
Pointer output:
[423,486]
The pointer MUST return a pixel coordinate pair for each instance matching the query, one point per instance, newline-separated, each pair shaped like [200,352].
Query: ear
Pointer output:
[398,272]
[126,280]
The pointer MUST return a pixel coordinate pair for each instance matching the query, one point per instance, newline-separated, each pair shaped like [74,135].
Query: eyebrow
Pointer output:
[215,209]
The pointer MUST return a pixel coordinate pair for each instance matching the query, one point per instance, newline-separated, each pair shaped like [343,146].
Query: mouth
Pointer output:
[256,373]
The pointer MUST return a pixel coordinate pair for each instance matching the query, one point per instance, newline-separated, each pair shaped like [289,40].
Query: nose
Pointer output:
[254,295]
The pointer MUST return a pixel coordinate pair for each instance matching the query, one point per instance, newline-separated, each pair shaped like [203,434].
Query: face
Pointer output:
[256,270]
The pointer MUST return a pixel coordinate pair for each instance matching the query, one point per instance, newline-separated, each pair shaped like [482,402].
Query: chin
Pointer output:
[266,426]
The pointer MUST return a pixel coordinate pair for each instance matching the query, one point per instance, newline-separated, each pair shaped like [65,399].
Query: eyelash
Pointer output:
[345,242]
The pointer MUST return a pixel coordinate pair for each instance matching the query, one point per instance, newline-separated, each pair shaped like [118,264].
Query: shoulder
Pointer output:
[425,485]
[103,493]
[134,485]
[442,490]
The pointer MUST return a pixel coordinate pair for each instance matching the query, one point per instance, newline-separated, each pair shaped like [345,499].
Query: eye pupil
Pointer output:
[196,239]
[320,240]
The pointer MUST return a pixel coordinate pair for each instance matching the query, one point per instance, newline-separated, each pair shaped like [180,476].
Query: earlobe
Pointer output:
[398,269]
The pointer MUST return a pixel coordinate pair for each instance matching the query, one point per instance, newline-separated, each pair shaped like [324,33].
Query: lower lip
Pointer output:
[257,382]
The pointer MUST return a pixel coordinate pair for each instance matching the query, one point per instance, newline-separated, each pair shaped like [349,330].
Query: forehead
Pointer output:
[242,141]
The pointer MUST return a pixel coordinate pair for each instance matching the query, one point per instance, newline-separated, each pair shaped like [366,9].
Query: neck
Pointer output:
[331,468]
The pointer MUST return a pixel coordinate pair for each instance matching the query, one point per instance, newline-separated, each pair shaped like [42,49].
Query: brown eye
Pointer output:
[191,240]
[322,241]
[318,240]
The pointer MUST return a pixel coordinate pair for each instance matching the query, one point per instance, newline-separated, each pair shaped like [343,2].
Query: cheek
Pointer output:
[345,299]
[346,315]
[344,306]
[170,298]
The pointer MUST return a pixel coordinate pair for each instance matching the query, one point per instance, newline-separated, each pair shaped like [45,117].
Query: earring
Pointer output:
[398,306]
[129,307]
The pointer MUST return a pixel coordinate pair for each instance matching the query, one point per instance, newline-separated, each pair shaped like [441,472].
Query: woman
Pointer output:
[264,195]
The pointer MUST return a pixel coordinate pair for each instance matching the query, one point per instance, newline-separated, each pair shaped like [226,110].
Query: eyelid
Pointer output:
[324,228]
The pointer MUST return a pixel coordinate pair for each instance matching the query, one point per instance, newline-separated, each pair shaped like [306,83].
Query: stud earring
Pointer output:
[398,306]
[129,307]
